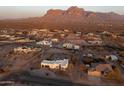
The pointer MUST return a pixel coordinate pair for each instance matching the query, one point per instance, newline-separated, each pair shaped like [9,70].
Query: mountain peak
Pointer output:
[77,14]
[54,12]
[74,10]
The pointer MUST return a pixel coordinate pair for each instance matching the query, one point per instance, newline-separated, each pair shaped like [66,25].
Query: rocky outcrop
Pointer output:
[72,18]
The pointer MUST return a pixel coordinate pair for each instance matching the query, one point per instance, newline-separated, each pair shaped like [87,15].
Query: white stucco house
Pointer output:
[112,57]
[71,46]
[25,49]
[95,42]
[68,45]
[45,42]
[55,64]
[54,40]
[77,47]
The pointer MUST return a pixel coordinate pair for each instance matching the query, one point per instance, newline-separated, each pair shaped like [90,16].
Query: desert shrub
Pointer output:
[115,74]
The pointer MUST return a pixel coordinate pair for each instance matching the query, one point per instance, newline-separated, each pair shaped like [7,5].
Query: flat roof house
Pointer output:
[45,42]
[55,64]
[112,57]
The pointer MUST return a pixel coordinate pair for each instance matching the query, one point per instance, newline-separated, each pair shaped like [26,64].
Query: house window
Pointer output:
[47,66]
[43,66]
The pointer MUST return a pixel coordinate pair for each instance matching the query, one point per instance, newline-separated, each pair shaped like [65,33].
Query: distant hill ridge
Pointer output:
[73,18]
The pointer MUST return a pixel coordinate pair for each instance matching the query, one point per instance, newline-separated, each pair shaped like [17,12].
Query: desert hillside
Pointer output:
[73,18]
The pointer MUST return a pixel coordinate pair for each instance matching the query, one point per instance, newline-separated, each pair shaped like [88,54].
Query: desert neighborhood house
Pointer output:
[55,64]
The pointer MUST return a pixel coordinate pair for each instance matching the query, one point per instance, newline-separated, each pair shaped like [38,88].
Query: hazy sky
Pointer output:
[8,12]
